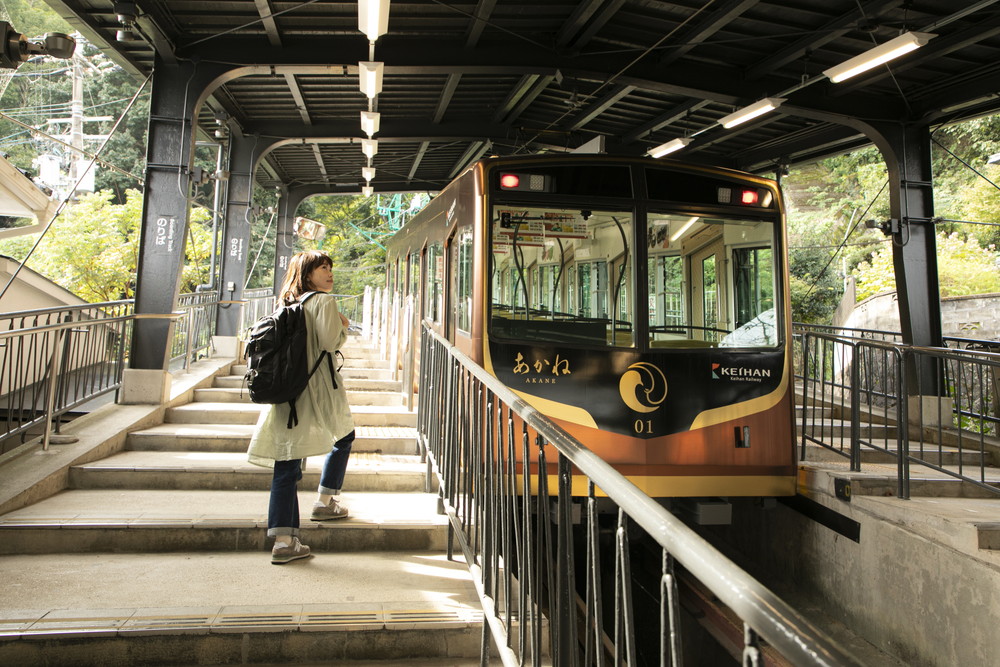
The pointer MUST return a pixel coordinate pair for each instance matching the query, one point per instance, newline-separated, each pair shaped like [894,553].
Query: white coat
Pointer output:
[324,413]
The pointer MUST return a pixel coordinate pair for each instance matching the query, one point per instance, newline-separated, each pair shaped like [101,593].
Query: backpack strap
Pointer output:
[293,415]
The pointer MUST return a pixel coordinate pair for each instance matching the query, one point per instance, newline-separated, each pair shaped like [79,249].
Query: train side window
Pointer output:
[463,303]
[435,281]
[563,275]
[414,277]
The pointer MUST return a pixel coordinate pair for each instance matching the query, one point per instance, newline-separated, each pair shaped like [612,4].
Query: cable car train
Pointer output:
[640,304]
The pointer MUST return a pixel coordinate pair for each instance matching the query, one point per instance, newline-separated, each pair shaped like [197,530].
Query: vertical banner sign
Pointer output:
[166,232]
[236,248]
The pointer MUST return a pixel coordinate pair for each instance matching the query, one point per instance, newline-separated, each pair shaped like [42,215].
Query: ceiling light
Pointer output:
[370,78]
[670,147]
[368,173]
[367,191]
[369,147]
[687,225]
[373,18]
[747,113]
[370,122]
[880,54]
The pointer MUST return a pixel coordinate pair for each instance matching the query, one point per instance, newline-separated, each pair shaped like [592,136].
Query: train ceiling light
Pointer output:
[368,173]
[369,147]
[756,109]
[671,146]
[879,55]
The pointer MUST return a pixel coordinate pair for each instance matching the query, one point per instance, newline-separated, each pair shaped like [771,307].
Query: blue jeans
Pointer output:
[283,508]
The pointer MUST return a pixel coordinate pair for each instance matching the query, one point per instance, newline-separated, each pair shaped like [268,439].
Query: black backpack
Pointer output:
[277,368]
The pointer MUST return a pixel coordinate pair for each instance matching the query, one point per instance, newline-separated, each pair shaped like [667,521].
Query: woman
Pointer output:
[323,412]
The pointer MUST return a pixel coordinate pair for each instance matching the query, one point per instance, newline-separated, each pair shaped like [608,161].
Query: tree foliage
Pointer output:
[964,267]
[354,240]
[93,248]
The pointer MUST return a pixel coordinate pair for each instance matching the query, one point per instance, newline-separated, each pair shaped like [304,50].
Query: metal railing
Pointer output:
[257,303]
[934,407]
[85,348]
[514,521]
[193,332]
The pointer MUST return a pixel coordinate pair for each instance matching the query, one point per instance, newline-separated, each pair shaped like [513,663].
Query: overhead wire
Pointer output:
[842,244]
[69,195]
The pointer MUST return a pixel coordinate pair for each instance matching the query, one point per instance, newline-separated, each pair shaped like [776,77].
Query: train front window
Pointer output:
[570,275]
[711,282]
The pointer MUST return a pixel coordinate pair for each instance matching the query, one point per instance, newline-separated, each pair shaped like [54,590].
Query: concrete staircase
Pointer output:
[945,507]
[157,554]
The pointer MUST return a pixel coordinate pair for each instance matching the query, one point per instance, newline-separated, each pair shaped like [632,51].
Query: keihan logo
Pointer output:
[715,368]
[643,387]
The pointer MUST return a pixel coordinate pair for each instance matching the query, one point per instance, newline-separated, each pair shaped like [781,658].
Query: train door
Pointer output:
[708,292]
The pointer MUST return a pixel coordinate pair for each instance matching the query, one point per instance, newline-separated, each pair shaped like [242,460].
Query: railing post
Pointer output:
[855,407]
[903,428]
[55,364]
[805,390]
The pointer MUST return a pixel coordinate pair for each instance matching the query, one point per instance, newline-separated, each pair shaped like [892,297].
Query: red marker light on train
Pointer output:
[749,197]
[509,181]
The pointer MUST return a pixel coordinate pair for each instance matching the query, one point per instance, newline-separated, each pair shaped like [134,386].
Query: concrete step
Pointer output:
[236,382]
[247,413]
[347,372]
[933,454]
[232,472]
[187,608]
[841,428]
[236,438]
[143,521]
[241,395]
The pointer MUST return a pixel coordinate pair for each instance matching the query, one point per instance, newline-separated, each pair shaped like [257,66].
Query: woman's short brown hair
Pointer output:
[296,282]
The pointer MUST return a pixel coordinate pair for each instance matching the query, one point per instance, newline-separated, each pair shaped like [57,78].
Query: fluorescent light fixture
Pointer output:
[687,225]
[370,78]
[670,147]
[373,18]
[880,54]
[367,191]
[368,173]
[369,122]
[748,113]
[369,147]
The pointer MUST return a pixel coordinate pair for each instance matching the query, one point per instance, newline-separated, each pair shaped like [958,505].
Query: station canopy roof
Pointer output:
[466,78]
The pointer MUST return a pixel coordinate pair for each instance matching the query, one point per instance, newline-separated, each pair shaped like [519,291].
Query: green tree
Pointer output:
[92,249]
[354,240]
[964,267]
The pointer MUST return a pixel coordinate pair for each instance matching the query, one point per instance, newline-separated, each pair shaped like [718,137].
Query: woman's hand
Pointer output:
[346,322]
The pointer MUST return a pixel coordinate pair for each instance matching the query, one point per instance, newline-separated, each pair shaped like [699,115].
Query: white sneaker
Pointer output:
[335,510]
[285,553]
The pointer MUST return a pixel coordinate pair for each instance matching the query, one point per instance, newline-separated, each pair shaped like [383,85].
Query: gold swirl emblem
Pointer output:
[643,387]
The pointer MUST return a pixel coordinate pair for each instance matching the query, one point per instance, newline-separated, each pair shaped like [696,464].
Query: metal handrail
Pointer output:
[956,410]
[471,460]
[51,368]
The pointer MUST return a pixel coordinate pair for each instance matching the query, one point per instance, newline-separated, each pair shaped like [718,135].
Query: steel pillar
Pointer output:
[243,155]
[907,152]
[165,210]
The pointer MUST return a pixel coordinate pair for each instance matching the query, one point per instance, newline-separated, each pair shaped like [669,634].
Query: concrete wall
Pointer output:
[975,316]
[925,599]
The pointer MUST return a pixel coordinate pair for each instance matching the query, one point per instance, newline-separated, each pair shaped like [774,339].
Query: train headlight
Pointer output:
[749,197]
